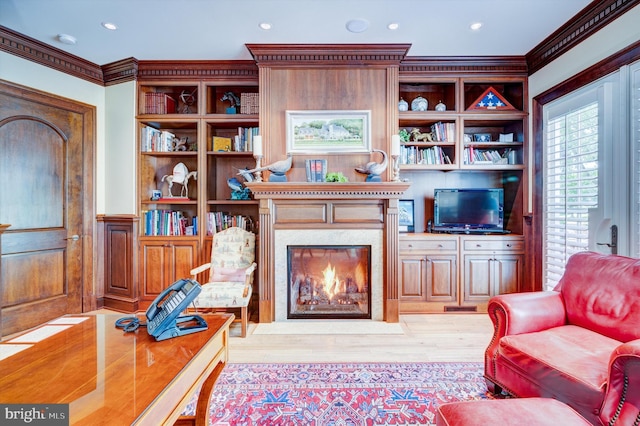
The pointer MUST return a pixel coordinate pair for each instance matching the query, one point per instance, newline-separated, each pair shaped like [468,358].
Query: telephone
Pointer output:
[163,315]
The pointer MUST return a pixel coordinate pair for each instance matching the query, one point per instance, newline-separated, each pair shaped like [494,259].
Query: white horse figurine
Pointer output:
[180,175]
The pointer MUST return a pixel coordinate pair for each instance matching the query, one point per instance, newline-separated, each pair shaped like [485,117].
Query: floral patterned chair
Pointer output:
[230,282]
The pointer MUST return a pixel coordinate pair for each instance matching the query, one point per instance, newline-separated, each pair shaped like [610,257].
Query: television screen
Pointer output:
[466,210]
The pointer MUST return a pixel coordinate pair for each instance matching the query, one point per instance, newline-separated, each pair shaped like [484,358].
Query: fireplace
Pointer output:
[329,281]
[326,214]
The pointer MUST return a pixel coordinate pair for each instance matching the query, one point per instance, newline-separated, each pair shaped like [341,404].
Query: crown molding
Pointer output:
[463,65]
[41,53]
[584,24]
[323,55]
[198,70]
[120,71]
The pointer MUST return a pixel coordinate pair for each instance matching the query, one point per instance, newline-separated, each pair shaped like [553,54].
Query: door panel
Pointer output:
[44,157]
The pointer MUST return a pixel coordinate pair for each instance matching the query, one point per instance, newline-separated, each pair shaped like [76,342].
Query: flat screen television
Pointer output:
[468,210]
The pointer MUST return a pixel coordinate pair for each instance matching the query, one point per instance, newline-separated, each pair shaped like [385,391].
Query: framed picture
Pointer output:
[405,216]
[328,131]
[482,137]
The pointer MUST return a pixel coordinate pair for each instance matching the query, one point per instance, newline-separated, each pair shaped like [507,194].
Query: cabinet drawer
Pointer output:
[509,245]
[427,245]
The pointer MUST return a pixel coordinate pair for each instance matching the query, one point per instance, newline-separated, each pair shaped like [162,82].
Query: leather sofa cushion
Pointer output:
[601,293]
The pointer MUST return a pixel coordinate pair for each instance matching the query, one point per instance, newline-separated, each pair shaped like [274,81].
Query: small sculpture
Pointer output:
[374,169]
[277,169]
[180,175]
[231,97]
[418,136]
[238,190]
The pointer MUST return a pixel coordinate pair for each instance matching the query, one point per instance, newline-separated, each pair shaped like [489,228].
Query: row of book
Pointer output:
[473,155]
[443,132]
[316,170]
[242,142]
[219,221]
[159,103]
[168,223]
[155,140]
[418,155]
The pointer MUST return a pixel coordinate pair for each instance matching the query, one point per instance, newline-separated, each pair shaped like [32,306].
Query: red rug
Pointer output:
[340,394]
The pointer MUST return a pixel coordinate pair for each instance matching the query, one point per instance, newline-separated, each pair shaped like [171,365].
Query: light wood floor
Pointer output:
[426,338]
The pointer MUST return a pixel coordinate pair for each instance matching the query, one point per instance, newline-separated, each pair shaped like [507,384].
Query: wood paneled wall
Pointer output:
[328,77]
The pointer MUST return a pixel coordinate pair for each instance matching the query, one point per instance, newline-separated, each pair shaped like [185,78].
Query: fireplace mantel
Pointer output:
[328,190]
[331,207]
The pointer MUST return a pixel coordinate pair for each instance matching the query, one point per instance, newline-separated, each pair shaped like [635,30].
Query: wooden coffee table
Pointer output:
[111,377]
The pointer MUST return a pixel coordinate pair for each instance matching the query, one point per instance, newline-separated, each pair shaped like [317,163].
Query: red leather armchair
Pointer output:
[568,344]
[621,404]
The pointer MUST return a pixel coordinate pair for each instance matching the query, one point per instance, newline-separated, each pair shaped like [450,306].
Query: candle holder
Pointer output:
[258,173]
[396,168]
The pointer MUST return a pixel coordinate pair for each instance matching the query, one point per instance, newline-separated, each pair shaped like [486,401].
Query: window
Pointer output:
[571,186]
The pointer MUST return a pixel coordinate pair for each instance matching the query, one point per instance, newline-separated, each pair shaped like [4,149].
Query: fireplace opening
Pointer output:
[329,281]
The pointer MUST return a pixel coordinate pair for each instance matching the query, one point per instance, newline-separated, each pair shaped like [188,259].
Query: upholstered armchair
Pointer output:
[231,269]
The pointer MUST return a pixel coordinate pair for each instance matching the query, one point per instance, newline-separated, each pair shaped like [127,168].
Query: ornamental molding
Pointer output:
[327,190]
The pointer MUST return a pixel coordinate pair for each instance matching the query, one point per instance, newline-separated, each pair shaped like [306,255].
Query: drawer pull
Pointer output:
[509,245]
[478,245]
[440,246]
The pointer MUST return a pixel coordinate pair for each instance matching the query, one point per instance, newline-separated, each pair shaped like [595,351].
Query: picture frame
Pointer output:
[331,131]
[482,137]
[405,216]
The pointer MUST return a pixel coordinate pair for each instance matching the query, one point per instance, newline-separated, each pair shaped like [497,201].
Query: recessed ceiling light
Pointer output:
[265,25]
[476,26]
[357,25]
[110,26]
[66,39]
[393,26]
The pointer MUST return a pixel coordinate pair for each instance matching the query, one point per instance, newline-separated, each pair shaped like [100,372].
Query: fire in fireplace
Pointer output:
[331,281]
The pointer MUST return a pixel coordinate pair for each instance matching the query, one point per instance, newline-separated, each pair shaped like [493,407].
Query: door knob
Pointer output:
[73,238]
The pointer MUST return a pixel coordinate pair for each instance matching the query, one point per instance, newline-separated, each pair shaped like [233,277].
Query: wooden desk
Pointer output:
[111,377]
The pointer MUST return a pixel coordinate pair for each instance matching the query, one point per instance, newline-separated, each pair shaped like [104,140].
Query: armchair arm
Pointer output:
[195,271]
[519,313]
[249,272]
[622,399]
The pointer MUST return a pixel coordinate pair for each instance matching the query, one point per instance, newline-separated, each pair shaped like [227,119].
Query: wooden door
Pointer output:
[46,196]
[441,278]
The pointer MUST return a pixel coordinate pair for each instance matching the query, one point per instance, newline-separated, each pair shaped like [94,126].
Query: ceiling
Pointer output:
[219,29]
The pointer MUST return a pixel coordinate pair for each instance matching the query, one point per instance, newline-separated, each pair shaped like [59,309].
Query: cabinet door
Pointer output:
[441,278]
[478,271]
[164,262]
[508,273]
[412,278]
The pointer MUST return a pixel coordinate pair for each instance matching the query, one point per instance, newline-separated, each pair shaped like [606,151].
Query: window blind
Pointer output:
[570,185]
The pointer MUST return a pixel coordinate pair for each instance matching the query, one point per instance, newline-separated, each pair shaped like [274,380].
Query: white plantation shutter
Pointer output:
[570,181]
[635,141]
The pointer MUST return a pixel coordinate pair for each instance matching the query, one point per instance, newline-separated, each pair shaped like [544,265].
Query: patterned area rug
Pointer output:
[342,394]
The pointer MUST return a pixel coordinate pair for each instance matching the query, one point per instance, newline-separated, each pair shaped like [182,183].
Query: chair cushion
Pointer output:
[228,275]
[224,295]
[568,363]
[528,411]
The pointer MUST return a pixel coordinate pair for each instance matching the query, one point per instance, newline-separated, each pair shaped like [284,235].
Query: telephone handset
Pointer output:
[163,315]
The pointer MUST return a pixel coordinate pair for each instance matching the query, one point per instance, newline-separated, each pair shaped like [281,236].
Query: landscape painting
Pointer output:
[328,131]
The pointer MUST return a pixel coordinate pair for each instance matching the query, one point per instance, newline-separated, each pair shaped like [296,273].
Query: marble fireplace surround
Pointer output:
[328,213]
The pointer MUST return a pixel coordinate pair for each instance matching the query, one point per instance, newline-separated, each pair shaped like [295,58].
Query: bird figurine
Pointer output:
[234,184]
[374,169]
[246,174]
[278,168]
[238,191]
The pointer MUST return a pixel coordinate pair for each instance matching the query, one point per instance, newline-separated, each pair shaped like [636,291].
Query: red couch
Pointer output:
[559,344]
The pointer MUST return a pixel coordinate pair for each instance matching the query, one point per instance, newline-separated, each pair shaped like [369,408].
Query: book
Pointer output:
[221,143]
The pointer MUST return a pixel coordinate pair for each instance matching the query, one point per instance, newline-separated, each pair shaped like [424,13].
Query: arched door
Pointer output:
[46,196]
